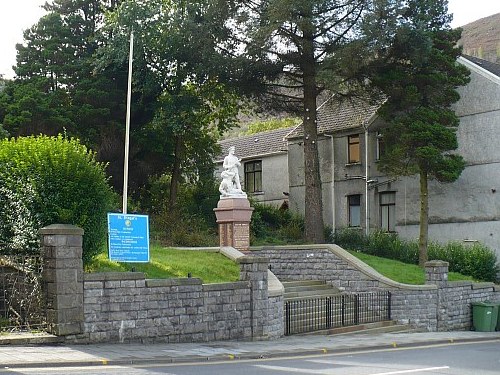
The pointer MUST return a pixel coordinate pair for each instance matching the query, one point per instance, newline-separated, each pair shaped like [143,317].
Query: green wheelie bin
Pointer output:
[484,316]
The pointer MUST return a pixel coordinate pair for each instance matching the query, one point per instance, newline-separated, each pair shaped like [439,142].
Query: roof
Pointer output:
[487,65]
[335,115]
[248,146]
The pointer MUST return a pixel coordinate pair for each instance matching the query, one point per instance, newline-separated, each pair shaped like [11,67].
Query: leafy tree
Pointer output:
[419,74]
[174,62]
[295,38]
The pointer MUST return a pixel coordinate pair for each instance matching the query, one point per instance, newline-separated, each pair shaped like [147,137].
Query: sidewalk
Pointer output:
[19,356]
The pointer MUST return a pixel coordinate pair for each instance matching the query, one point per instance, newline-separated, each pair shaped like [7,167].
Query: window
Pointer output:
[354,202]
[380,145]
[253,176]
[353,150]
[388,211]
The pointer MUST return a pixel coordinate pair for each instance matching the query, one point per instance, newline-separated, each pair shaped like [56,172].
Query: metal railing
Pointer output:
[22,303]
[316,314]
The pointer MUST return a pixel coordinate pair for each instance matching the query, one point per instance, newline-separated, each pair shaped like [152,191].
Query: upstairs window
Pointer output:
[353,149]
[354,210]
[253,176]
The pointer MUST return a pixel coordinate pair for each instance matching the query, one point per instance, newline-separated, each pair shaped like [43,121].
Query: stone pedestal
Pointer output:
[233,216]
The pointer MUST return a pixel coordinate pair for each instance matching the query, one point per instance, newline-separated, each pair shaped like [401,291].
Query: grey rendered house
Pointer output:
[356,194]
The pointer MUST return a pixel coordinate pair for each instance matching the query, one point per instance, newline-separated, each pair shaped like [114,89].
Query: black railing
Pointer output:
[316,314]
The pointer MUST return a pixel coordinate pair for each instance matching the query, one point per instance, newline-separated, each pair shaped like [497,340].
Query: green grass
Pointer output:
[166,263]
[401,272]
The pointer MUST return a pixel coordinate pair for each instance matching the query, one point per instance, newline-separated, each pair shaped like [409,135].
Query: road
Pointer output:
[450,359]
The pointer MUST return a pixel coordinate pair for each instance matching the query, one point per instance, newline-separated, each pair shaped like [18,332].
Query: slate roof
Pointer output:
[334,115]
[256,144]
[487,65]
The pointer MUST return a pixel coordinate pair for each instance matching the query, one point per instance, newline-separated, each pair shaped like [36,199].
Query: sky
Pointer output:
[19,15]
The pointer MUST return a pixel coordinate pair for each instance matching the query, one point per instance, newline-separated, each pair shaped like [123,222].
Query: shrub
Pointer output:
[477,261]
[274,225]
[57,180]
[192,222]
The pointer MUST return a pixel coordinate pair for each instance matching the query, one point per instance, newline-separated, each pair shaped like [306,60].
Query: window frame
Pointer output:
[250,175]
[351,144]
[350,207]
[386,207]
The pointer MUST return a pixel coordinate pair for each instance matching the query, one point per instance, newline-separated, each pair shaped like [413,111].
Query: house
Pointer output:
[356,194]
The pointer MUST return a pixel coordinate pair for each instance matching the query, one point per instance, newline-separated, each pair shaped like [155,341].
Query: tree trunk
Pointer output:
[424,220]
[176,174]
[313,196]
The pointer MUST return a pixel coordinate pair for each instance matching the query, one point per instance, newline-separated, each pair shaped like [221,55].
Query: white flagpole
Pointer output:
[127,124]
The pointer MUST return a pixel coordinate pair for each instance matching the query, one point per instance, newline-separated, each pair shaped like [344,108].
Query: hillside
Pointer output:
[481,38]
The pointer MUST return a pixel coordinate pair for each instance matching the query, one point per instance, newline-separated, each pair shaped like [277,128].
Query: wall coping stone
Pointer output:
[249,260]
[482,285]
[436,263]
[353,261]
[225,286]
[454,284]
[155,283]
[61,229]
[113,276]
[231,253]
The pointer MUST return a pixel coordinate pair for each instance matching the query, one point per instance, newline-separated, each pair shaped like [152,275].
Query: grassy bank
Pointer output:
[401,272]
[211,267]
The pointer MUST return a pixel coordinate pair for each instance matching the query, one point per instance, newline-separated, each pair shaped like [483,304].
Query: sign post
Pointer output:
[128,238]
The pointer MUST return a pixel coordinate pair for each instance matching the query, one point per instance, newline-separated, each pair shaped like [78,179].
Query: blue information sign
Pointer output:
[128,238]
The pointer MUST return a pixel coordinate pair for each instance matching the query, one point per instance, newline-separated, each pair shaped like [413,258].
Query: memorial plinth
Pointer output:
[233,216]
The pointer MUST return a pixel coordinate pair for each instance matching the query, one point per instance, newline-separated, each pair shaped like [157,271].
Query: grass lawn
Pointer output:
[166,263]
[401,272]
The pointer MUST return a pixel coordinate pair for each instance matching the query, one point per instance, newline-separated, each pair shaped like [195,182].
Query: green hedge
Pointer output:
[476,260]
[47,180]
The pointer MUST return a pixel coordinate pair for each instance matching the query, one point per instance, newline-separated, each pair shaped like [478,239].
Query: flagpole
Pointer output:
[127,123]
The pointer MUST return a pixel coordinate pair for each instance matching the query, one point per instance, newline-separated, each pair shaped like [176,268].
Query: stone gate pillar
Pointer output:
[233,216]
[63,278]
[436,272]
[254,270]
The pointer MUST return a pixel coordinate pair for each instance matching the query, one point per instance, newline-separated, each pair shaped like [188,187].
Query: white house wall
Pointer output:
[468,209]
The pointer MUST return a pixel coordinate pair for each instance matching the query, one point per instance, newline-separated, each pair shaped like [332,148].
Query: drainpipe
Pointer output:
[332,191]
[367,207]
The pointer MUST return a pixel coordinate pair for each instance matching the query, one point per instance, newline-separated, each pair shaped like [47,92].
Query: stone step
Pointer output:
[302,283]
[310,294]
[387,326]
[308,289]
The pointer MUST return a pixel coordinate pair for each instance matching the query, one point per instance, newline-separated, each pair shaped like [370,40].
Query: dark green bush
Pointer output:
[477,261]
[274,225]
[56,180]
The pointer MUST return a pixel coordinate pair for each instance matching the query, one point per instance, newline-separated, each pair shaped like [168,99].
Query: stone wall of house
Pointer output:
[437,306]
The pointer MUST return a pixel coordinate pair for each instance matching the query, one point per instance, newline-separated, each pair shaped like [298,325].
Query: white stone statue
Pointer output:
[230,185]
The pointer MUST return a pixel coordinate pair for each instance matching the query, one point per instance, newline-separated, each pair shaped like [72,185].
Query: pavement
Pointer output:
[18,354]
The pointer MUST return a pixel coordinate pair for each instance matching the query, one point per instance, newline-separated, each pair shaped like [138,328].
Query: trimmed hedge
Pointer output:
[46,180]
[476,260]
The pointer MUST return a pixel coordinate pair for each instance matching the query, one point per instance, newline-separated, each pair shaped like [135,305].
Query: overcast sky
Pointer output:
[19,15]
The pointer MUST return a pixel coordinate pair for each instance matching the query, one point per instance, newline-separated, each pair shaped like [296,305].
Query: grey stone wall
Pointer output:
[437,306]
[126,307]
